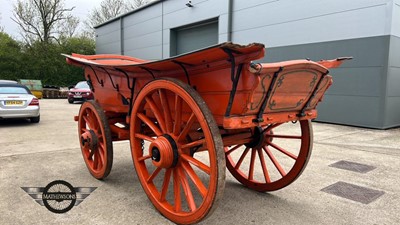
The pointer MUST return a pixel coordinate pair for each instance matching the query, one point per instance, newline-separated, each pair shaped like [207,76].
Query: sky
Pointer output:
[82,9]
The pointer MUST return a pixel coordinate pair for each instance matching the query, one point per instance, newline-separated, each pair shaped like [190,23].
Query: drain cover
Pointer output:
[353,192]
[352,166]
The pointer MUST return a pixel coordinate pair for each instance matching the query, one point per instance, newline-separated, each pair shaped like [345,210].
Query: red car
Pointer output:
[81,92]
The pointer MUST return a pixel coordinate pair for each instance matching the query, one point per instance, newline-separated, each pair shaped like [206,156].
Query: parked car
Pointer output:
[8,81]
[81,92]
[17,101]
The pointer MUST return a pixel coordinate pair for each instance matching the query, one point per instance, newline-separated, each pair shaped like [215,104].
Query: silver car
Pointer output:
[16,101]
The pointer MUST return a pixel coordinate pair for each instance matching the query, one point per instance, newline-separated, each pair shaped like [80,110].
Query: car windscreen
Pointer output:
[82,85]
[13,90]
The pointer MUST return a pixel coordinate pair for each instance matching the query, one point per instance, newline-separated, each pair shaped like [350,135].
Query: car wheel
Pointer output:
[35,119]
[70,101]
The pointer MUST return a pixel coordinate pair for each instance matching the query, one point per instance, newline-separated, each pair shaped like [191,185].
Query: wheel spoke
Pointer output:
[196,180]
[157,113]
[166,109]
[193,144]
[242,158]
[94,119]
[229,151]
[95,161]
[291,155]
[264,166]
[274,161]
[100,149]
[149,123]
[252,162]
[144,137]
[153,175]
[177,191]
[187,127]
[92,151]
[164,189]
[187,190]
[270,127]
[178,115]
[141,159]
[88,122]
[197,163]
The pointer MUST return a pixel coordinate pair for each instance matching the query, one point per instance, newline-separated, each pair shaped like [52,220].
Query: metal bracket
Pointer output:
[148,70]
[112,82]
[264,103]
[101,82]
[234,78]
[131,88]
[302,112]
[181,64]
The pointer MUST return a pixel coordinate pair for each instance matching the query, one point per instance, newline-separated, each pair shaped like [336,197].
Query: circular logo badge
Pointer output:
[59,196]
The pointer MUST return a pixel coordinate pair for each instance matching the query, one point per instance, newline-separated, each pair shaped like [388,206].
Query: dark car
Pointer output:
[81,92]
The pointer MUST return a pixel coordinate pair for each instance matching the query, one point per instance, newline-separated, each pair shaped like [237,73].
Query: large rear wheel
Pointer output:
[177,150]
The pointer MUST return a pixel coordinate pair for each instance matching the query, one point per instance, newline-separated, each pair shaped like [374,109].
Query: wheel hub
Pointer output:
[164,152]
[90,139]
[258,139]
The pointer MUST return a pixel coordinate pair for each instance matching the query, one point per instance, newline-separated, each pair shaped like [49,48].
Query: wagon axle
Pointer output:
[90,138]
[164,152]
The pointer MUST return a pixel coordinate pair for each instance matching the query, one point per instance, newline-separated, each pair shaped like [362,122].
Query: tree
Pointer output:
[109,10]
[10,55]
[44,20]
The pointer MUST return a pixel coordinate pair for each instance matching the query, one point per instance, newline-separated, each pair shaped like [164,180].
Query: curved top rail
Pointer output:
[203,56]
[109,56]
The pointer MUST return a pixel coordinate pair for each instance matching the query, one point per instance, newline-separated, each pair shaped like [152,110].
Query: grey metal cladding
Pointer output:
[394,52]
[144,41]
[351,110]
[367,52]
[392,115]
[143,28]
[356,98]
[143,15]
[300,22]
[148,53]
[183,15]
[361,81]
[395,30]
[108,39]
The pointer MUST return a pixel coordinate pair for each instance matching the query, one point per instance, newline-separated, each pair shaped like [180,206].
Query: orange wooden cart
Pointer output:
[189,116]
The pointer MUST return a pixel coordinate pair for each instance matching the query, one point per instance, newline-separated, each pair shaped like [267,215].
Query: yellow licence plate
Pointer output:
[14,102]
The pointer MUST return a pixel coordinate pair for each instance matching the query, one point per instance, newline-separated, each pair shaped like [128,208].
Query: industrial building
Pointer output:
[366,90]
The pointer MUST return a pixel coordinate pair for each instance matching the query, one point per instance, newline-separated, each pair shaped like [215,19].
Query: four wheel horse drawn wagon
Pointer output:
[190,116]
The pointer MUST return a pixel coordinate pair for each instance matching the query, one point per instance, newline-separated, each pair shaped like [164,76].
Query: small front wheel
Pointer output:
[95,139]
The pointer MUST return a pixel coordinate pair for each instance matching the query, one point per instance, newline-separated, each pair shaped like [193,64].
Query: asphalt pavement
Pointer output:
[352,178]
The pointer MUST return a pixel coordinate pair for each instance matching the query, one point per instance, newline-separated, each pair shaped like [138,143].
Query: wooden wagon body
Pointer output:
[187,117]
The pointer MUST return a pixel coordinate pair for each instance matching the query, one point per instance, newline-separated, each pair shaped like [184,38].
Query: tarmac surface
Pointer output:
[33,155]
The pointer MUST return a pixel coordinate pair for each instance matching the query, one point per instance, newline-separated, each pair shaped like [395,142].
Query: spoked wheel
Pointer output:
[95,139]
[274,159]
[177,150]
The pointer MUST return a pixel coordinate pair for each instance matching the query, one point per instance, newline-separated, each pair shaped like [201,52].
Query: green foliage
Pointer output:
[42,61]
[10,56]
